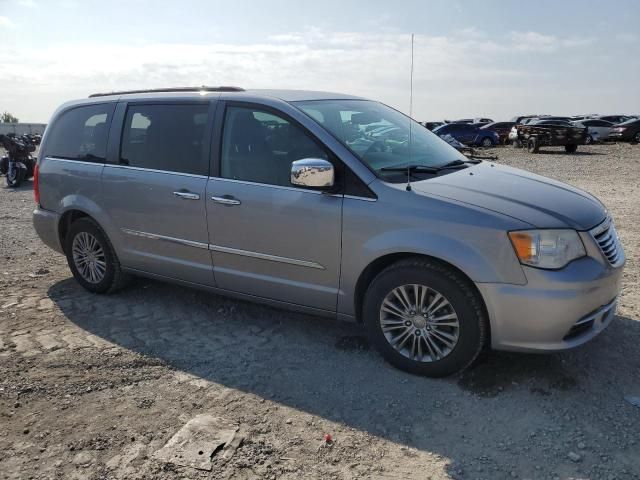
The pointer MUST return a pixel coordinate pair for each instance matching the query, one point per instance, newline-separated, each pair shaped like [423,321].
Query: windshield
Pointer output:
[379,135]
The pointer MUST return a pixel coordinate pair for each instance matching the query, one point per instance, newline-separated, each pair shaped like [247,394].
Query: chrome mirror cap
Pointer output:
[312,172]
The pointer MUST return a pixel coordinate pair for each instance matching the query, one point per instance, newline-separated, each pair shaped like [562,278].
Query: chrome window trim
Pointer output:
[129,167]
[155,236]
[69,160]
[364,199]
[281,187]
[221,249]
[264,256]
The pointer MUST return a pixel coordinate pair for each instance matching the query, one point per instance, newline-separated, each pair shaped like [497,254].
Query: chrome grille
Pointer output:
[607,238]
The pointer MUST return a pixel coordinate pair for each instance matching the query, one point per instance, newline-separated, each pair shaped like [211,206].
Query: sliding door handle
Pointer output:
[226,200]
[187,195]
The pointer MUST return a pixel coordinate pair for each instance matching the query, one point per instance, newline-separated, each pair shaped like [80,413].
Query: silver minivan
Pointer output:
[329,204]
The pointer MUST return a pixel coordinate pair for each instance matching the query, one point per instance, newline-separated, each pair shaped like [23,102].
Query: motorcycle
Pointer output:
[18,165]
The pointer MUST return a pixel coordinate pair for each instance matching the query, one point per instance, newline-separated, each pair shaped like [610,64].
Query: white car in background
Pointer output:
[598,130]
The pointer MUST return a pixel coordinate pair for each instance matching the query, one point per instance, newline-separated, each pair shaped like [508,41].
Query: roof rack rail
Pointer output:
[203,88]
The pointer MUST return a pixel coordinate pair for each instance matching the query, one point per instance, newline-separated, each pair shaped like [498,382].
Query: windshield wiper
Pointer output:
[416,168]
[411,169]
[459,162]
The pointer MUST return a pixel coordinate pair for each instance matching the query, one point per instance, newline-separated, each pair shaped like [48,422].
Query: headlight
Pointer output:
[547,248]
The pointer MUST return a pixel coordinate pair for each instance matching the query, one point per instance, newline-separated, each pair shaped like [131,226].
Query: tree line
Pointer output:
[7,117]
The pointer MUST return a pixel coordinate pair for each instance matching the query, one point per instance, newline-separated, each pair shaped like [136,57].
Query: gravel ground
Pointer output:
[91,386]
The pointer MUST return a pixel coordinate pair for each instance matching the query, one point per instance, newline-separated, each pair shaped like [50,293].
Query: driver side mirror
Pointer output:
[312,173]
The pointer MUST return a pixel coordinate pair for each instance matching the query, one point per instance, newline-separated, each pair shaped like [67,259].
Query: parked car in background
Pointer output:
[628,131]
[287,198]
[513,137]
[513,133]
[583,117]
[482,121]
[501,128]
[597,130]
[550,133]
[615,118]
[469,134]
[551,121]
[431,125]
[477,120]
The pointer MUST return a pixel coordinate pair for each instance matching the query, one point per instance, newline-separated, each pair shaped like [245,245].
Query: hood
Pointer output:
[534,199]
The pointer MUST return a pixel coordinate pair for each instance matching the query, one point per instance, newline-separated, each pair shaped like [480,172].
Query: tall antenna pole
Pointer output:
[410,117]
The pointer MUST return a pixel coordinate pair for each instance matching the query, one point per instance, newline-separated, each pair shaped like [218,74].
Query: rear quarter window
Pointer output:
[81,133]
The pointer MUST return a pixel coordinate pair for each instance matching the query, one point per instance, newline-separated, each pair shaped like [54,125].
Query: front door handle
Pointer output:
[226,200]
[187,195]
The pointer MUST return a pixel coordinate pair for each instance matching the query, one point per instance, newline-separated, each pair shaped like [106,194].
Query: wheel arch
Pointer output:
[66,219]
[75,206]
[382,262]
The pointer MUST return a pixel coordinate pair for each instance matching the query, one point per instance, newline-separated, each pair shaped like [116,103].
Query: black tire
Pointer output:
[113,278]
[466,302]
[15,178]
[532,145]
[570,148]
[636,137]
[588,140]
[486,142]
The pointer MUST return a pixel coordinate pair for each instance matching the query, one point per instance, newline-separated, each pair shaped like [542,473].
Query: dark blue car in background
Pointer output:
[469,134]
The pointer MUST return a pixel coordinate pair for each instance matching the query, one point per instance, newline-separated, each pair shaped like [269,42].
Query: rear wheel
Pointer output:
[91,257]
[532,145]
[637,137]
[588,140]
[487,142]
[571,148]
[425,318]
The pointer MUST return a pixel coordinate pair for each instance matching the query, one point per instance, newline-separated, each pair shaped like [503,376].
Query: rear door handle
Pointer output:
[187,195]
[226,200]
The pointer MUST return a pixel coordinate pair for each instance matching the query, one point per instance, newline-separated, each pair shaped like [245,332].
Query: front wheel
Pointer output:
[487,142]
[588,140]
[15,177]
[425,318]
[637,137]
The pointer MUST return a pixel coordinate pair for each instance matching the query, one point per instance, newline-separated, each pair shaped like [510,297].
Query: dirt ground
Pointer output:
[92,386]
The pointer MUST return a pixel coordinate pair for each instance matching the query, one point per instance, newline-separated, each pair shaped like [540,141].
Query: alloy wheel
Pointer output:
[419,323]
[89,257]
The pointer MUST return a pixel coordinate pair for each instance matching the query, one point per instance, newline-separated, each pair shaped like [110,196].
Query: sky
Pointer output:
[485,58]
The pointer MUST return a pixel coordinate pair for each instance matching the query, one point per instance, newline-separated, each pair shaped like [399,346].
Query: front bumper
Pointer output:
[555,310]
[46,223]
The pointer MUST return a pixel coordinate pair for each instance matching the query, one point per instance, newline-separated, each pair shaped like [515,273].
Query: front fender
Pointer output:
[466,256]
[471,239]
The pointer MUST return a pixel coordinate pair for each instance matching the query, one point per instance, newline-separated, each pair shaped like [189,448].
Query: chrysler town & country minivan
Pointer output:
[329,204]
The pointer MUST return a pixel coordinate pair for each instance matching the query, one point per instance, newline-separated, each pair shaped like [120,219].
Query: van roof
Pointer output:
[182,92]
